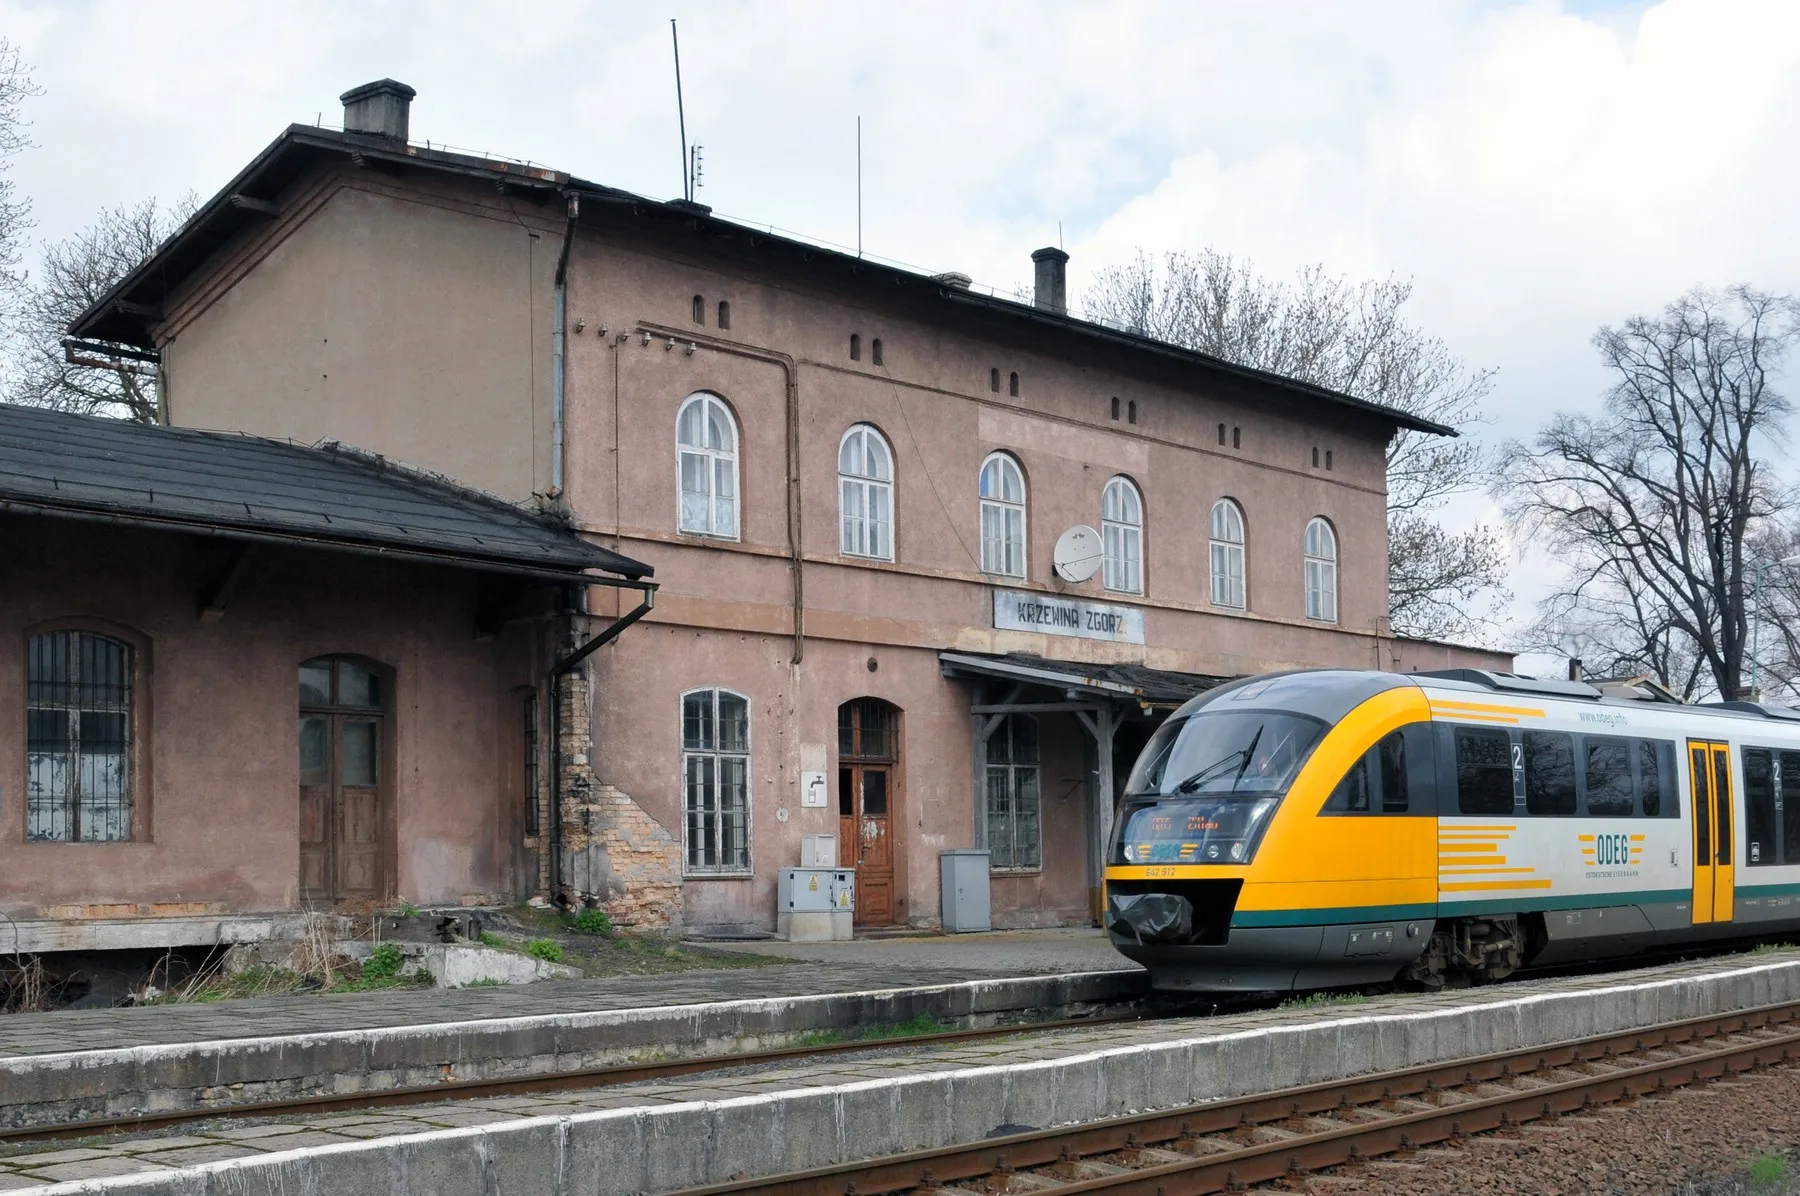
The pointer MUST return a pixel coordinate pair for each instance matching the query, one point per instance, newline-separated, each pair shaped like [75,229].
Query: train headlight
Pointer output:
[1237,851]
[1131,852]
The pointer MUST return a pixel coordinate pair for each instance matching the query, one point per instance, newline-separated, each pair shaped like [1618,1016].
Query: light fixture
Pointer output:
[646,338]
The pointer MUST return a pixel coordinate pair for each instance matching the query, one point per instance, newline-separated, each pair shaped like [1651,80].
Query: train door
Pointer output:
[1709,770]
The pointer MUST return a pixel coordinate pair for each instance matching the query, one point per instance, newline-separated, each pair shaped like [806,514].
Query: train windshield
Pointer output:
[1206,786]
[1238,753]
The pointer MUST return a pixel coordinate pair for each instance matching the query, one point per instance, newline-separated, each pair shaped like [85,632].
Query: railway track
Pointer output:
[1229,1144]
[583,1078]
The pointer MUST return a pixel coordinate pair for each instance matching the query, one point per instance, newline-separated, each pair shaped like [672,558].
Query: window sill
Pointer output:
[1037,871]
[690,534]
[864,556]
[733,875]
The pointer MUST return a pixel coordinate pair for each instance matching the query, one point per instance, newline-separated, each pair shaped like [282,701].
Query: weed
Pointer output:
[490,939]
[1767,1171]
[485,984]
[923,1024]
[548,950]
[593,921]
[1316,999]
[819,1038]
[384,963]
[1766,948]
[409,910]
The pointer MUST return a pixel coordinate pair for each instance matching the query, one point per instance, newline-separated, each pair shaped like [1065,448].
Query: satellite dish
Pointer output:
[1078,553]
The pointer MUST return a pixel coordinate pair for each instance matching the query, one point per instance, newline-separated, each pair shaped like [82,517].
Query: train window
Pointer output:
[1352,793]
[1787,805]
[1761,844]
[1484,782]
[1393,773]
[1656,773]
[1608,778]
[1722,799]
[1549,773]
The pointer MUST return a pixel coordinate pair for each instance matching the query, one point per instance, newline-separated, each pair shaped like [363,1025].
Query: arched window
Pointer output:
[78,738]
[1002,516]
[715,782]
[994,379]
[866,494]
[1122,535]
[1014,841]
[1321,571]
[1012,386]
[707,448]
[1221,434]
[699,309]
[875,352]
[1115,407]
[725,314]
[1131,412]
[1237,439]
[1227,554]
[855,346]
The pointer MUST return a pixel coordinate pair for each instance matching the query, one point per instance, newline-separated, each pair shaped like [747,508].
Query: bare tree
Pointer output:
[1350,337]
[75,273]
[1651,506]
[16,87]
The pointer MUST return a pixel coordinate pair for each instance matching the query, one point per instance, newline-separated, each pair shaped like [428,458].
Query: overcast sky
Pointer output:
[1537,168]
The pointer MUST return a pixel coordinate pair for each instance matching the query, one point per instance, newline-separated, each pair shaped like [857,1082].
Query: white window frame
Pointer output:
[866,495]
[1320,550]
[717,756]
[1225,556]
[1122,536]
[714,460]
[1007,515]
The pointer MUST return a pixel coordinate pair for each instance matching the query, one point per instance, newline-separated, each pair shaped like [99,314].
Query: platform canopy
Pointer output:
[1100,696]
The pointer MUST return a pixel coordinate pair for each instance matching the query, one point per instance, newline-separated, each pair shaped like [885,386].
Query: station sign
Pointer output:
[1048,614]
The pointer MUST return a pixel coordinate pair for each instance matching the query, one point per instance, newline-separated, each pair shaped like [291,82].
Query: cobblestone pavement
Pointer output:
[820,968]
[22,1167]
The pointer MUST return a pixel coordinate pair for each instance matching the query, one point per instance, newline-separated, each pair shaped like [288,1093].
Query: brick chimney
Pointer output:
[381,108]
[1052,288]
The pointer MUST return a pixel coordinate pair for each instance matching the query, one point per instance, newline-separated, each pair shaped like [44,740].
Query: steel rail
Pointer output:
[578,1079]
[1170,1140]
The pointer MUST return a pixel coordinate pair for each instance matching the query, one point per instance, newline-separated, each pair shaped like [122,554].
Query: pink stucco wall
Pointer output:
[221,702]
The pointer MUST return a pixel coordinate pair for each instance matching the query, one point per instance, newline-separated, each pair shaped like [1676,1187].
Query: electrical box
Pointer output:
[963,891]
[818,851]
[815,904]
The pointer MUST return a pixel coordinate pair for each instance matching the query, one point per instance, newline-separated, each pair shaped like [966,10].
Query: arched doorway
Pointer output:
[343,780]
[868,769]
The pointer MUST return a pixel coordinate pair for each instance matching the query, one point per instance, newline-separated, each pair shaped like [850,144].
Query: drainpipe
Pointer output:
[558,320]
[791,373]
[561,669]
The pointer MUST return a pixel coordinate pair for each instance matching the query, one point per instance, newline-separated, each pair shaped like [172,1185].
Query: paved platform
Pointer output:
[60,1067]
[655,1137]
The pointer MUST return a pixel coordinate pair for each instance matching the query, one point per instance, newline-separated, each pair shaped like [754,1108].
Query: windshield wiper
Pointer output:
[1244,753]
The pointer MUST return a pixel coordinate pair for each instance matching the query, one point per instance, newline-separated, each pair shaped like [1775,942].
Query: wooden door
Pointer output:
[865,841]
[342,786]
[1709,773]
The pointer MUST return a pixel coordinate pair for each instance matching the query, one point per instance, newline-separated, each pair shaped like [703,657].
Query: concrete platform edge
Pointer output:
[666,1147]
[78,1085]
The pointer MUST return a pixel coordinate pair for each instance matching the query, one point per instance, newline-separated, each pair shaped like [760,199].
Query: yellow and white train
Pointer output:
[1313,829]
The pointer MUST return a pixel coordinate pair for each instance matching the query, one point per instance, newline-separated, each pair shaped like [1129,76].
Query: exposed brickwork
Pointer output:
[613,852]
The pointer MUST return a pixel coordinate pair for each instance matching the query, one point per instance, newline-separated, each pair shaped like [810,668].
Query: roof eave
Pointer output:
[570,571]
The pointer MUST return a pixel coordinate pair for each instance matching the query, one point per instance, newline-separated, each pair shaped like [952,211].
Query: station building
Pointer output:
[851,479]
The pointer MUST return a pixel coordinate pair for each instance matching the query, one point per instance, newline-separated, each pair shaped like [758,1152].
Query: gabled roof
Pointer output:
[126,314]
[249,488]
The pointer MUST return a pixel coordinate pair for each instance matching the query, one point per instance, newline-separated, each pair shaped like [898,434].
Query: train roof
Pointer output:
[1330,694]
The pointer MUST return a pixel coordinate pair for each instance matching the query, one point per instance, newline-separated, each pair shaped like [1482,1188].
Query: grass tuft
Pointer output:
[548,950]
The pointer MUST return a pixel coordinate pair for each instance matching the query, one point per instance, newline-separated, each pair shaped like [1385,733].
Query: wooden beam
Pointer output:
[1036,708]
[215,591]
[250,203]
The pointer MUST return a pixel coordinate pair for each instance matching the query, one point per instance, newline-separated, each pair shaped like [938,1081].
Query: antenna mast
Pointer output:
[859,184]
[687,170]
